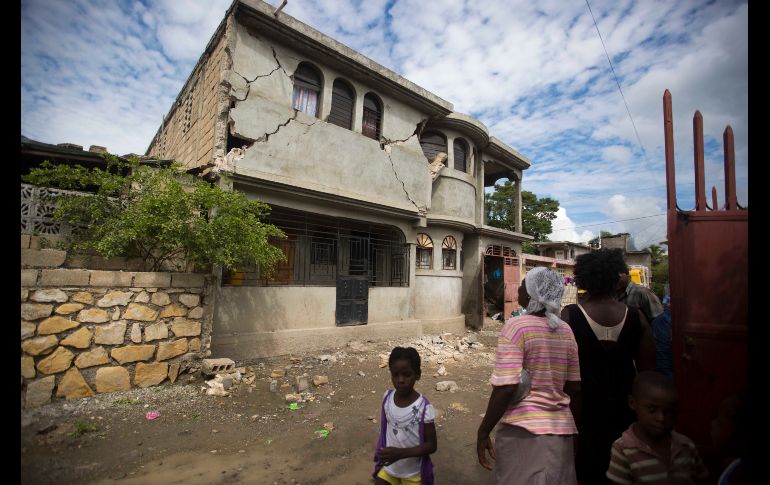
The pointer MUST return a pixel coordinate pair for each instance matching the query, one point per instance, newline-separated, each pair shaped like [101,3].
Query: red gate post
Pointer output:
[708,268]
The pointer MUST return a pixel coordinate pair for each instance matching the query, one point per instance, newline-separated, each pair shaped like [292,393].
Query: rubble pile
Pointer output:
[446,347]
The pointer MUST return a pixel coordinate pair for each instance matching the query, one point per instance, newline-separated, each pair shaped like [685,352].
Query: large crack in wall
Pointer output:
[385,145]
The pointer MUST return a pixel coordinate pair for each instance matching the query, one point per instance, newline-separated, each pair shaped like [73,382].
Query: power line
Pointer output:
[628,110]
[609,222]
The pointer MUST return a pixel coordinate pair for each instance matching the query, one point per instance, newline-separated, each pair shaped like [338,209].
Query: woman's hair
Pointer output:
[406,353]
[598,272]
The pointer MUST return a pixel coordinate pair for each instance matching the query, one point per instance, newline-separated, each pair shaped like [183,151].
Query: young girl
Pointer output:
[407,432]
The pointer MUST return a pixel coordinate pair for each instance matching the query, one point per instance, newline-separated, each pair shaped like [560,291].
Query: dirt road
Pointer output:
[251,436]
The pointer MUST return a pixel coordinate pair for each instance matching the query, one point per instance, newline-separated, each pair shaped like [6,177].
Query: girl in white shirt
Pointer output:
[407,431]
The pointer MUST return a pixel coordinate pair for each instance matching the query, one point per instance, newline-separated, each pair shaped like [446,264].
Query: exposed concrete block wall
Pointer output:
[92,331]
[188,134]
[43,252]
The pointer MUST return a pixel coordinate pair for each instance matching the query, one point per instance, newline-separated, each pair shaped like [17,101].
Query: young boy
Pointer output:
[650,451]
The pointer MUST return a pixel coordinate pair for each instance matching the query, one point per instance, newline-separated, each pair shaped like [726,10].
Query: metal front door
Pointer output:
[511,276]
[352,300]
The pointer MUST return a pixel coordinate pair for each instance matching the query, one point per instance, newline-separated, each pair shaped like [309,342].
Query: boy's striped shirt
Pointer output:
[551,357]
[634,461]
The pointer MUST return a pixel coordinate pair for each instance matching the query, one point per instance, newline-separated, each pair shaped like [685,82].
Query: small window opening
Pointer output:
[449,252]
[424,251]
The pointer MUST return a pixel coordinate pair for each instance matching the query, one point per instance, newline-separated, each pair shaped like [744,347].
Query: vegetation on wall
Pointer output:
[160,214]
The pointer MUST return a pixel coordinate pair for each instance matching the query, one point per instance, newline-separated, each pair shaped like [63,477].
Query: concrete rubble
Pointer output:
[295,378]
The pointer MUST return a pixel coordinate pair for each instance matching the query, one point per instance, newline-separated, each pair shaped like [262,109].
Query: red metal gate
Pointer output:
[708,271]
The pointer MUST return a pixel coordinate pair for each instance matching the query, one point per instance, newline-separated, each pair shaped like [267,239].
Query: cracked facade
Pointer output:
[340,147]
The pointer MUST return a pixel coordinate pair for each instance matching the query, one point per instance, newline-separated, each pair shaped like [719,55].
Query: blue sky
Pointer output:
[103,72]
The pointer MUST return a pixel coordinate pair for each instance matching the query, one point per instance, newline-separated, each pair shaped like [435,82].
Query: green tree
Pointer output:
[660,277]
[656,252]
[536,214]
[160,214]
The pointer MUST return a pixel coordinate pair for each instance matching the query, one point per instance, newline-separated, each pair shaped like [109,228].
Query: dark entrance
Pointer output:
[501,280]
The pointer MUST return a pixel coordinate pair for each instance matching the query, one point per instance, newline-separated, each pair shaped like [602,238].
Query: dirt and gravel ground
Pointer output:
[251,436]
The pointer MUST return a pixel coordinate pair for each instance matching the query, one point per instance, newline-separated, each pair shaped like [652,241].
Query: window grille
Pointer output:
[37,207]
[372,122]
[449,252]
[424,251]
[508,254]
[320,248]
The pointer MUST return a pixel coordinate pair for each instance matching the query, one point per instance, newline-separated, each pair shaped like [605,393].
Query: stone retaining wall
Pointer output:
[90,331]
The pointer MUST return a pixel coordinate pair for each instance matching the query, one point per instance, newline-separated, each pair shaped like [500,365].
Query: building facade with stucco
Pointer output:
[378,184]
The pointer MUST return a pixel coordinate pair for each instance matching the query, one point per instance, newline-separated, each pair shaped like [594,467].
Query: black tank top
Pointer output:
[606,373]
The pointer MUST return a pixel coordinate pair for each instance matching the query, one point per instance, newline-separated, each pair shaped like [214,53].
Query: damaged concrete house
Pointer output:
[378,184]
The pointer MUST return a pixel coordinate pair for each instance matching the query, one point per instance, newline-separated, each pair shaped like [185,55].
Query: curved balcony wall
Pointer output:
[454,197]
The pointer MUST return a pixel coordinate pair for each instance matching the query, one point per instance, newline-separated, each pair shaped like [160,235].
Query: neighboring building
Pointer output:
[633,258]
[382,240]
[37,210]
[561,249]
[565,268]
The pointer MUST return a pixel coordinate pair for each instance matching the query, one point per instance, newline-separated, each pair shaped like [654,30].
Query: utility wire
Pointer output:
[618,83]
[609,222]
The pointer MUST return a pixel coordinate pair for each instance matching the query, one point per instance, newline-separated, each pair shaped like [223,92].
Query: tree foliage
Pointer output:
[656,253]
[660,277]
[536,214]
[160,214]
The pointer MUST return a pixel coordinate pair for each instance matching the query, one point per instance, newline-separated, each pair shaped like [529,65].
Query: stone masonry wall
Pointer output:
[90,331]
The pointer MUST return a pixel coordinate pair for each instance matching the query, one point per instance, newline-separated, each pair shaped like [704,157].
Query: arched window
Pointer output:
[424,251]
[449,252]
[307,89]
[372,123]
[342,104]
[461,154]
[432,143]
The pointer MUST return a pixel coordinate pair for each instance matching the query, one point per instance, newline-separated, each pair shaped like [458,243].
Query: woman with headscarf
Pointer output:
[534,441]
[614,342]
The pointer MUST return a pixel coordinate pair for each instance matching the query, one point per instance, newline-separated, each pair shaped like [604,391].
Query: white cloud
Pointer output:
[103,72]
[642,217]
[564,229]
[617,154]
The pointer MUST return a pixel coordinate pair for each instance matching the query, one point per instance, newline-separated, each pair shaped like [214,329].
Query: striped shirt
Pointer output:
[634,461]
[551,357]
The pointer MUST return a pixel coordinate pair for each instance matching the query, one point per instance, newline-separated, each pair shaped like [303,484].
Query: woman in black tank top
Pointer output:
[607,367]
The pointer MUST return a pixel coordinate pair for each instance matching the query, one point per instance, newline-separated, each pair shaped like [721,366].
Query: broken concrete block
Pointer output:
[225,379]
[450,386]
[217,366]
[276,373]
[320,380]
[217,392]
[302,384]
